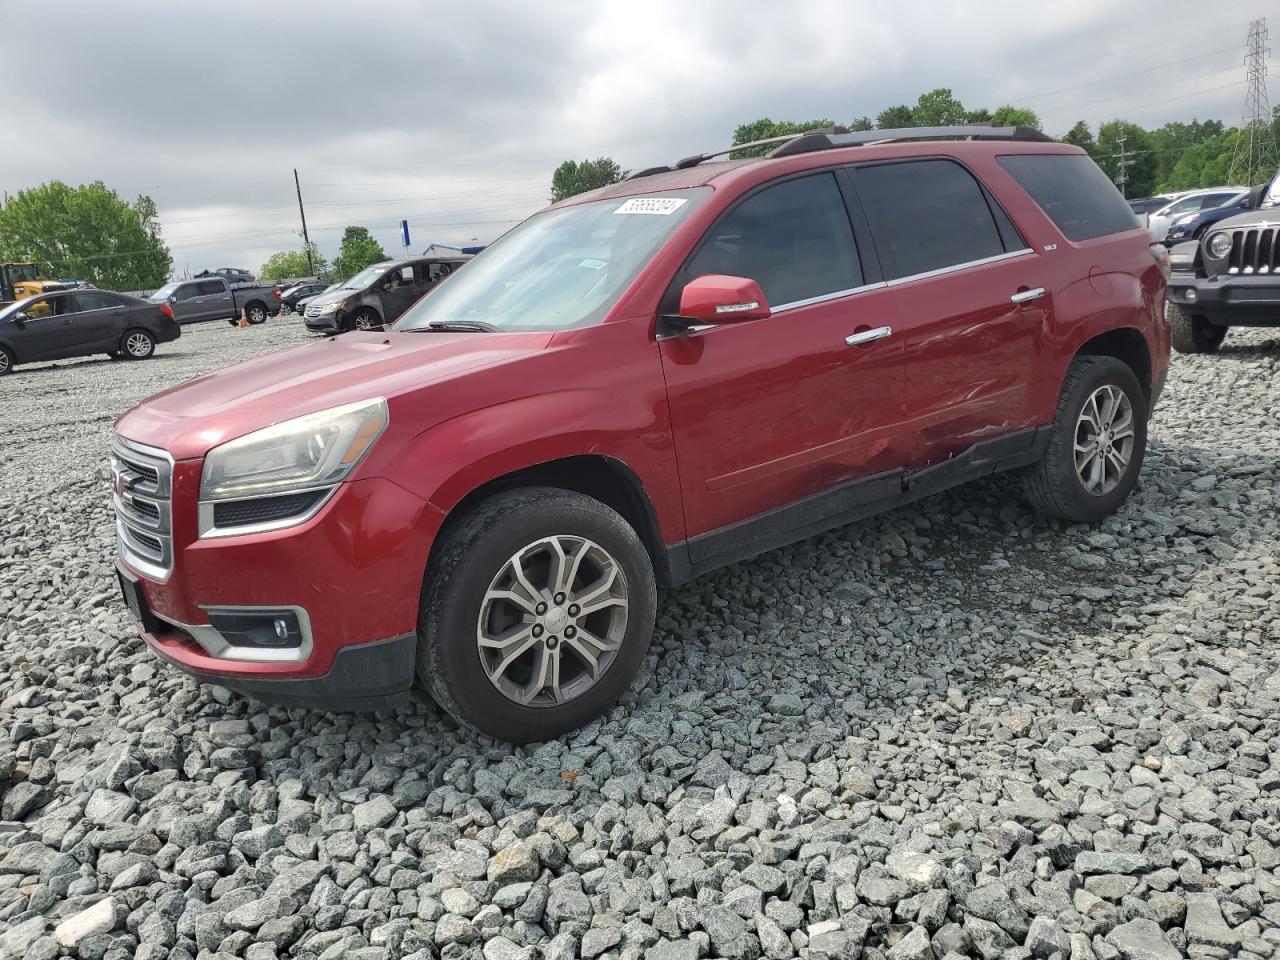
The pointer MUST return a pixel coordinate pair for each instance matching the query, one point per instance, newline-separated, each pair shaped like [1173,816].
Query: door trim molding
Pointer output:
[847,502]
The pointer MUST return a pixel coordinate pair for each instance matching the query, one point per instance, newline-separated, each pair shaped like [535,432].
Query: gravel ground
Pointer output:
[957,730]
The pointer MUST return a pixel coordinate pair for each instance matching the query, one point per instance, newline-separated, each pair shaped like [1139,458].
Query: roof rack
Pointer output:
[832,138]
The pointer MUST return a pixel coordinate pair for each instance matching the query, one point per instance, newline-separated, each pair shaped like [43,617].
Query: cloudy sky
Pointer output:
[453,115]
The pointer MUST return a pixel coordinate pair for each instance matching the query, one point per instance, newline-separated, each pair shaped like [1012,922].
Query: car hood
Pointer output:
[333,296]
[190,419]
[1251,217]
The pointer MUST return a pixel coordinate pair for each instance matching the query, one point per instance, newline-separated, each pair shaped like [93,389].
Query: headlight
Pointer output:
[1186,218]
[318,450]
[1219,245]
[330,307]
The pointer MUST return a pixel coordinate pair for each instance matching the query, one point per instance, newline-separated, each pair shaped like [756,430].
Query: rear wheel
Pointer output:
[536,615]
[256,312]
[1096,446]
[6,361]
[1193,333]
[137,344]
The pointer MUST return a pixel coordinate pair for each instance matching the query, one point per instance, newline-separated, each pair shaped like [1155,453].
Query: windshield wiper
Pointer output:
[460,326]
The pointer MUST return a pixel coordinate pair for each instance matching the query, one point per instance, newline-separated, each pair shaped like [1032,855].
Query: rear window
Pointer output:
[1074,193]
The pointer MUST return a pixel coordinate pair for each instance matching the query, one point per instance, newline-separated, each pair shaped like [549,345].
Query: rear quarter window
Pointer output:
[1073,192]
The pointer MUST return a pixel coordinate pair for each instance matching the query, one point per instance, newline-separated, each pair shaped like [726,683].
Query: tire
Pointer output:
[1055,486]
[137,344]
[7,363]
[1193,333]
[366,320]
[476,557]
[256,311]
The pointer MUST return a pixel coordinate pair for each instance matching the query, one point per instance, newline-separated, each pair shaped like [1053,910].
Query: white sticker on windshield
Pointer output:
[593,264]
[662,206]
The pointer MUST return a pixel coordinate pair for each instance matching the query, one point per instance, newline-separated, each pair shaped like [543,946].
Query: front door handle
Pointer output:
[868,336]
[1025,296]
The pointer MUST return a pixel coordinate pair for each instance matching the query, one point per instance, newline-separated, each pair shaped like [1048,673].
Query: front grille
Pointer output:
[313,311]
[141,490]
[1253,250]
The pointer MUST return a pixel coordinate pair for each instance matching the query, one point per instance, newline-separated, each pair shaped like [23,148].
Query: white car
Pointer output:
[1192,202]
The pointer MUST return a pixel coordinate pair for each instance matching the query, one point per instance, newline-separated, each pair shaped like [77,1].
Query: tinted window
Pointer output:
[209,288]
[1076,195]
[929,214]
[95,301]
[793,239]
[1211,200]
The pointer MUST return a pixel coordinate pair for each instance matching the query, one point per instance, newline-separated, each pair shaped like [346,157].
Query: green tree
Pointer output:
[862,123]
[86,232]
[1138,153]
[894,117]
[572,177]
[764,129]
[292,263]
[359,249]
[1081,136]
[938,108]
[1172,140]
[981,115]
[1203,164]
[1007,116]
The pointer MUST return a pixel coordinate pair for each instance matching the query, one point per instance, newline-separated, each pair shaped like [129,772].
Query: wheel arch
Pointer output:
[1129,346]
[599,476]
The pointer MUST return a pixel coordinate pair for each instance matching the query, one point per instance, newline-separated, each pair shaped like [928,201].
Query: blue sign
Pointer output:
[404,232]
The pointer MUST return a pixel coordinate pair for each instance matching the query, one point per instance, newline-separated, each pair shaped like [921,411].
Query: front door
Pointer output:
[47,333]
[972,298]
[771,411]
[400,288]
[98,321]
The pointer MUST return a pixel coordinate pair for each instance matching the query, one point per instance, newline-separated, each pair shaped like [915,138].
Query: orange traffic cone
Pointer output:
[244,319]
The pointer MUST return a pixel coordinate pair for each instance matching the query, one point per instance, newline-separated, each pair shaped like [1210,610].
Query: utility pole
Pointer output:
[306,240]
[1254,157]
[1124,161]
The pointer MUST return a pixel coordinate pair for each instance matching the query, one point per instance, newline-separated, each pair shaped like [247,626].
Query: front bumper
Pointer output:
[354,570]
[1229,300]
[326,323]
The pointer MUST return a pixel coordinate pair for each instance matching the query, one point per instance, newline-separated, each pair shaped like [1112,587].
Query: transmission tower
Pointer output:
[1254,159]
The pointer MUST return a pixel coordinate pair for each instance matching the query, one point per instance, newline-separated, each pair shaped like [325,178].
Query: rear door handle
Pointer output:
[868,336]
[1025,296]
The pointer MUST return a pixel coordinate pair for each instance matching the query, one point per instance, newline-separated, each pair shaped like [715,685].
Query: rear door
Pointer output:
[98,320]
[768,412]
[972,298]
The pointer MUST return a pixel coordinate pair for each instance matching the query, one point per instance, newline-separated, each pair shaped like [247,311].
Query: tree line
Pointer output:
[89,232]
[1178,155]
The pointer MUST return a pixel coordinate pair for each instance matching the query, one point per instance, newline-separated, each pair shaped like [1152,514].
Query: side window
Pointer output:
[94,301]
[927,215]
[1074,192]
[186,292]
[793,238]
[40,308]
[1212,200]
[209,288]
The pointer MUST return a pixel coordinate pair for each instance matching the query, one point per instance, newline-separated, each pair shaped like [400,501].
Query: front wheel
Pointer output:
[537,614]
[1097,443]
[6,361]
[366,320]
[138,344]
[1192,333]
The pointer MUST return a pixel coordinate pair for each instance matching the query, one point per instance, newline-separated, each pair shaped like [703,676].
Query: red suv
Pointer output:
[633,387]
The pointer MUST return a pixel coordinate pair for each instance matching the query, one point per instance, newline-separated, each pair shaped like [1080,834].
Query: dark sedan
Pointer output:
[290,297]
[79,323]
[1192,226]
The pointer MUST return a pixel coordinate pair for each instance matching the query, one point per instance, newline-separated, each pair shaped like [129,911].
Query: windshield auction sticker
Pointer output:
[662,206]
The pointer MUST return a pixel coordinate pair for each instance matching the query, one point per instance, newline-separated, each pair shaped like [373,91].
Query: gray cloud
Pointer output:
[454,115]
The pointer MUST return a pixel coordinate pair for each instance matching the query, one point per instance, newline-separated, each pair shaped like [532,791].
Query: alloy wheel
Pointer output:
[4,362]
[138,345]
[552,621]
[1104,441]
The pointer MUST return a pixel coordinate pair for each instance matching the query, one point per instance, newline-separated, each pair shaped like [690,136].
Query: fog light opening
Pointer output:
[266,629]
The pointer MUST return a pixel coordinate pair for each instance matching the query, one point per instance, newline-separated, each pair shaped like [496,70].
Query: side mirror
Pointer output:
[20,319]
[718,299]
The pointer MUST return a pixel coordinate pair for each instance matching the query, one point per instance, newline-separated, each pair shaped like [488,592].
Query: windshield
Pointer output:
[559,269]
[364,278]
[165,292]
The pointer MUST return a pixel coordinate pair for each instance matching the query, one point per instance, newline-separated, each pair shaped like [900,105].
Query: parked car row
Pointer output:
[486,499]
[1163,213]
